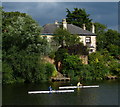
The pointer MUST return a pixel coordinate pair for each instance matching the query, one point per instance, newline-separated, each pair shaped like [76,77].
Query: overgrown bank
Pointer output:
[24,49]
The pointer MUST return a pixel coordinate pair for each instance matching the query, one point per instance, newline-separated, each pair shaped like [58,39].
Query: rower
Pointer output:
[79,84]
[50,88]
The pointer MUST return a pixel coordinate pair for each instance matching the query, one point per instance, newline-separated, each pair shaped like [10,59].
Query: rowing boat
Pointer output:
[53,91]
[68,87]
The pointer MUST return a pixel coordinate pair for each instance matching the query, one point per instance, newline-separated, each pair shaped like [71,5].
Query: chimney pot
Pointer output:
[84,28]
[56,22]
[64,24]
[93,28]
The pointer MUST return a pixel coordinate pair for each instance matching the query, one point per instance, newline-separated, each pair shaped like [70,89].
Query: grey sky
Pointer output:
[47,12]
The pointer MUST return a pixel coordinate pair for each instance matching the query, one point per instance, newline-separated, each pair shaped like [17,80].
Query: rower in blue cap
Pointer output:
[50,88]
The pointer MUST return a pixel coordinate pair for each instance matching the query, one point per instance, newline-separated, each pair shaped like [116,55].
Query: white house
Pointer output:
[87,37]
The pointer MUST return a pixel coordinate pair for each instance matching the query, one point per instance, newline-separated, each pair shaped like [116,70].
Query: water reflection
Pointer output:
[78,91]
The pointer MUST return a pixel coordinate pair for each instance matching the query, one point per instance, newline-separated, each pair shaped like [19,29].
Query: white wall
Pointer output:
[93,41]
[82,39]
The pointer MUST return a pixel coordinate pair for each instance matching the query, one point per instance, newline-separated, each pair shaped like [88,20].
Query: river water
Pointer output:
[106,94]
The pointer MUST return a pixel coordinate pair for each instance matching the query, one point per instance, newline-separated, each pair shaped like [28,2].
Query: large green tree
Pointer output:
[109,40]
[78,17]
[112,37]
[22,49]
[113,42]
[21,31]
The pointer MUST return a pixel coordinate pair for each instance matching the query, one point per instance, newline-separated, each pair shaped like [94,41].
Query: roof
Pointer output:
[50,28]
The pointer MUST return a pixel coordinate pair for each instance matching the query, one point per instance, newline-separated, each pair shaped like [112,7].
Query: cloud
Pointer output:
[48,12]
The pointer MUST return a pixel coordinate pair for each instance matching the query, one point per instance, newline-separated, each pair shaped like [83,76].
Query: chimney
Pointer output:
[93,28]
[56,22]
[64,24]
[84,28]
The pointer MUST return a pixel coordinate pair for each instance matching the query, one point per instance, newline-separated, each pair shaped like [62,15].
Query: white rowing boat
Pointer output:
[68,87]
[53,91]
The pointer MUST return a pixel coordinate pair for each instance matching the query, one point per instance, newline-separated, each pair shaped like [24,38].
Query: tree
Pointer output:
[77,49]
[114,50]
[114,67]
[112,44]
[64,38]
[78,17]
[24,31]
[100,30]
[99,67]
[107,39]
[1,17]
[68,44]
[112,37]
[71,65]
[7,74]
[23,49]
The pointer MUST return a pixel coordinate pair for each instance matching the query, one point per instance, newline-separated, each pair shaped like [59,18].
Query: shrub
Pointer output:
[7,73]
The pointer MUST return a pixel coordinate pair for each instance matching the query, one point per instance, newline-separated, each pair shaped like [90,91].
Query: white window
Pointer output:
[88,40]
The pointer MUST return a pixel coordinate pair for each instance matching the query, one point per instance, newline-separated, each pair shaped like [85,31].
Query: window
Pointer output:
[88,40]
[91,50]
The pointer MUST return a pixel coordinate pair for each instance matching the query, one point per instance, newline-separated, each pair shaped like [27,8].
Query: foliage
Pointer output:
[54,71]
[101,65]
[95,58]
[60,54]
[100,71]
[68,44]
[28,68]
[100,30]
[108,40]
[104,64]
[7,73]
[77,49]
[114,50]
[112,37]
[78,17]
[71,65]
[114,67]
[23,49]
[64,38]
[52,54]
[1,18]
[24,31]
[50,68]
[112,43]
[85,73]
[109,47]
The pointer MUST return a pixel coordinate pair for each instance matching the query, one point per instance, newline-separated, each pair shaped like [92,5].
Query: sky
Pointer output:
[47,12]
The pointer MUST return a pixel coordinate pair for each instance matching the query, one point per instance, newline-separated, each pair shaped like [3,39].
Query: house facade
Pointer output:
[88,38]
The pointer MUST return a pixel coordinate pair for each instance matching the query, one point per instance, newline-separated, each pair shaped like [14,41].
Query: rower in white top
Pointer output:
[79,84]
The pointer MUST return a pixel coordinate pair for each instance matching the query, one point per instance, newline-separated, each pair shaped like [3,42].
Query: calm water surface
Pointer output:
[17,94]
